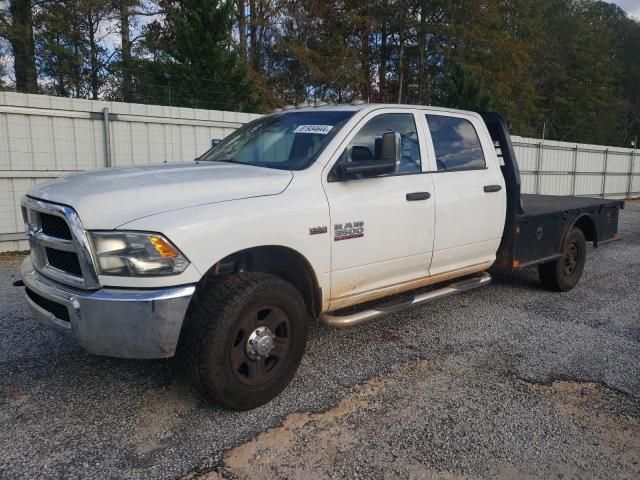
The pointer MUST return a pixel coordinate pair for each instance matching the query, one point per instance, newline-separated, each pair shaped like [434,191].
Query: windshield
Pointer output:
[288,140]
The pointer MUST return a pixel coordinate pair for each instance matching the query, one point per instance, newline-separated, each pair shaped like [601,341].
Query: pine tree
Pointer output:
[73,57]
[466,90]
[193,63]
[17,25]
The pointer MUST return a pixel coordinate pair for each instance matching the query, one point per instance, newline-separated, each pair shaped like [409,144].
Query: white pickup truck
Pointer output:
[341,213]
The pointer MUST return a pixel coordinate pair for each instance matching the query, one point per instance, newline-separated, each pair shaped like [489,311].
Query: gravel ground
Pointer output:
[507,381]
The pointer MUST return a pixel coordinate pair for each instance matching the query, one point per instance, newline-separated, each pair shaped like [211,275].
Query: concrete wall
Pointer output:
[43,137]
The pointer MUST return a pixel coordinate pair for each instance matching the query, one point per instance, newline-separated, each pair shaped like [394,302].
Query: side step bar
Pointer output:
[346,321]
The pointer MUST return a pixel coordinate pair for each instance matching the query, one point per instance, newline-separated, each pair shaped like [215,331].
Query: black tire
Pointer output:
[221,322]
[563,274]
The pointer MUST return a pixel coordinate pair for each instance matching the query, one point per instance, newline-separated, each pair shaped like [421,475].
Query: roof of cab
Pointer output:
[372,106]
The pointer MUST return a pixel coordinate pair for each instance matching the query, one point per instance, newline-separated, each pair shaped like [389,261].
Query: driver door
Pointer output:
[382,228]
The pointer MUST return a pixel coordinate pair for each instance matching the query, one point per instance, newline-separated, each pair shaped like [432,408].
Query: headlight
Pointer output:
[131,254]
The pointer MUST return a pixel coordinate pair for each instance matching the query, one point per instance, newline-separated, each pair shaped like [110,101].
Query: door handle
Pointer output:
[492,188]
[412,197]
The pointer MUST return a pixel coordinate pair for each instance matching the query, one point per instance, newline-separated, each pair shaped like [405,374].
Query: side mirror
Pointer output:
[386,164]
[390,149]
[215,142]
[367,168]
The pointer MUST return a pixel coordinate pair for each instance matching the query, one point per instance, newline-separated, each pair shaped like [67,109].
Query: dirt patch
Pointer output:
[17,395]
[17,254]
[611,417]
[321,436]
[579,399]
[159,412]
[342,441]
[308,445]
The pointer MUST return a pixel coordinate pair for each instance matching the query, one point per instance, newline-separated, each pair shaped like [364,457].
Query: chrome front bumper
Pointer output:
[113,322]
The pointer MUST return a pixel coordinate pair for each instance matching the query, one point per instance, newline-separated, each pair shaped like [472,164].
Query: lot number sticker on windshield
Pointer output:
[319,129]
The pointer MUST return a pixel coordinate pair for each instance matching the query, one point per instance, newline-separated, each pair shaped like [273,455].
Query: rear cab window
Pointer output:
[456,144]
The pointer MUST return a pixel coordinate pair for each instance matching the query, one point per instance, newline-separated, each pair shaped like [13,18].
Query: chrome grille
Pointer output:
[59,245]
[55,226]
[64,261]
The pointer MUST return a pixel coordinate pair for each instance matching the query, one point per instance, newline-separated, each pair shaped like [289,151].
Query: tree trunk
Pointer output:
[76,69]
[93,57]
[382,71]
[22,44]
[421,51]
[242,28]
[366,64]
[253,27]
[400,70]
[60,88]
[127,74]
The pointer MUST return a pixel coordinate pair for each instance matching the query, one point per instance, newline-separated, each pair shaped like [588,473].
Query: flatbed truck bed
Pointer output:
[537,226]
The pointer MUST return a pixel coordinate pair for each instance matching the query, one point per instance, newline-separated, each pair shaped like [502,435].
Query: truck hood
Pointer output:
[105,199]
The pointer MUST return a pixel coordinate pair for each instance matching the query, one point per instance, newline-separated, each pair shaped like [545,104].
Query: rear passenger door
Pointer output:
[470,197]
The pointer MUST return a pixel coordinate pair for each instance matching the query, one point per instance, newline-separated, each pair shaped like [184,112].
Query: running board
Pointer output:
[346,321]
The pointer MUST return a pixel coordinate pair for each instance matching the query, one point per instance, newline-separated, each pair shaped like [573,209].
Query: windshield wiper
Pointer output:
[277,166]
[224,160]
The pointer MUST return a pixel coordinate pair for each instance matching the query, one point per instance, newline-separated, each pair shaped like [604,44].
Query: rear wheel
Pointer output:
[245,338]
[563,274]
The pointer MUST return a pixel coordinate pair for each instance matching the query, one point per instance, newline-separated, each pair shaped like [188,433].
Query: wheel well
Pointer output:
[282,262]
[585,223]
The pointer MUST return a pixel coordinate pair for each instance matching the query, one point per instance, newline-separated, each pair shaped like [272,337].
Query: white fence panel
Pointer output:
[43,137]
[561,168]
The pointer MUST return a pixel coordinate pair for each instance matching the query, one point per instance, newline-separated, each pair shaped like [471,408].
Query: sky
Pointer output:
[632,7]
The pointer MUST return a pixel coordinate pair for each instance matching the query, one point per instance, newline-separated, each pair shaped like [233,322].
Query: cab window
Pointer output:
[456,144]
[286,140]
[367,143]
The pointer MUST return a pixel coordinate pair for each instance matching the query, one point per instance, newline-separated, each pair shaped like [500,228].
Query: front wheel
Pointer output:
[245,337]
[563,274]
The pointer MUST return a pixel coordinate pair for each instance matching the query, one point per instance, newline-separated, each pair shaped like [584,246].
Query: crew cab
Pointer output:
[340,213]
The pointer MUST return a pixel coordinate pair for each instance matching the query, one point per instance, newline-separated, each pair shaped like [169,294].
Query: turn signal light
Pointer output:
[164,249]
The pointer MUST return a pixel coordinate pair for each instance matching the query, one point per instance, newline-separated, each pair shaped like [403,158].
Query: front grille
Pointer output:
[55,226]
[65,261]
[57,309]
[59,245]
